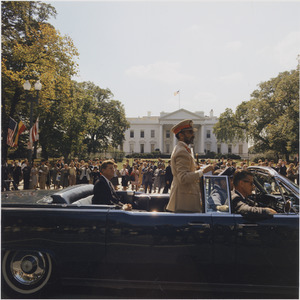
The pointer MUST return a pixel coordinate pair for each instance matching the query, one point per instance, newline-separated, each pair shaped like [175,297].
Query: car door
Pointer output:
[159,246]
[74,236]
[223,230]
[268,250]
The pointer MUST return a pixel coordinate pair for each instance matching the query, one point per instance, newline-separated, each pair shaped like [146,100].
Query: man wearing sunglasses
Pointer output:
[185,189]
[243,186]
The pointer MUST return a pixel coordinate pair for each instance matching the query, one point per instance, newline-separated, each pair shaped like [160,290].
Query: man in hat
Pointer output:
[185,189]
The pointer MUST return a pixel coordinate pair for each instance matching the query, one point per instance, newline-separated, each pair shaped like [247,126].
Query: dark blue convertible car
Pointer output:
[59,235]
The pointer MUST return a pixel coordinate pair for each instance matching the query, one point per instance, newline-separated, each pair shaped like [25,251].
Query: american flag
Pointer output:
[176,93]
[12,126]
[34,132]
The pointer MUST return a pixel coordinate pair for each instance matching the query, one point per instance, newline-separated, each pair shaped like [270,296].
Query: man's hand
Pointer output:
[208,169]
[127,206]
[271,211]
[223,208]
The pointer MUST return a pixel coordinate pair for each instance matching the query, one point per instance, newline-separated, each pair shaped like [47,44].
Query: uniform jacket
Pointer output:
[185,188]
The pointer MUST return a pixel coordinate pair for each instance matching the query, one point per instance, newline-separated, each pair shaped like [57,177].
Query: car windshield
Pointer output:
[216,192]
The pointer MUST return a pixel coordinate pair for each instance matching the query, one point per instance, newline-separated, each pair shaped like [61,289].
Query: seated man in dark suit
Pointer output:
[104,192]
[243,186]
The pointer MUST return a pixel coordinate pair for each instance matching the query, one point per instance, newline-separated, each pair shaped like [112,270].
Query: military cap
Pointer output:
[183,126]
[228,172]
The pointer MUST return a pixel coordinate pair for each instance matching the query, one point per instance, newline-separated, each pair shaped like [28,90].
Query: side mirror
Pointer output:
[268,187]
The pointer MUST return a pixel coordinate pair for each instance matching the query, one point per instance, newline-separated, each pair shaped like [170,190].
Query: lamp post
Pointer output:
[32,100]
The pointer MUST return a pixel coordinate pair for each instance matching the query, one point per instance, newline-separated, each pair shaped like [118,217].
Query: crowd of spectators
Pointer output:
[141,175]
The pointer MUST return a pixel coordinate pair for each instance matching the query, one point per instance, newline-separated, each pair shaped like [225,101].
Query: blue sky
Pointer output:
[215,52]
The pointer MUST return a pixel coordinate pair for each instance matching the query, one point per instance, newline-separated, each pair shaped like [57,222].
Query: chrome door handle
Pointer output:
[241,226]
[203,225]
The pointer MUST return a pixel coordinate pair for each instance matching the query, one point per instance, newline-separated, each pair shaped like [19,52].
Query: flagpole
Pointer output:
[179,98]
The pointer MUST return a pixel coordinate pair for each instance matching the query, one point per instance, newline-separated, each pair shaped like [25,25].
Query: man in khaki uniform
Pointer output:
[185,189]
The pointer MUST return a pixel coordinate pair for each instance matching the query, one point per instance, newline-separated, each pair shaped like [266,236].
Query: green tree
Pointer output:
[270,119]
[106,120]
[32,49]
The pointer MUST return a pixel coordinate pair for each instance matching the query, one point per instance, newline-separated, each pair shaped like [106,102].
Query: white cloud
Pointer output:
[232,78]
[233,46]
[285,52]
[163,71]
[205,97]
[287,49]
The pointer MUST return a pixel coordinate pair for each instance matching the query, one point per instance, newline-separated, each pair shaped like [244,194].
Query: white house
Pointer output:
[146,134]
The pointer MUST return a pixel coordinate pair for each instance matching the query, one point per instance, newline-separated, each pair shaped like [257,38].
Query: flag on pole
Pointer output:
[12,126]
[34,132]
[176,93]
[21,128]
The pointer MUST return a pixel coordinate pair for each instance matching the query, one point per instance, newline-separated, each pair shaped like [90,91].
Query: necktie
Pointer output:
[113,191]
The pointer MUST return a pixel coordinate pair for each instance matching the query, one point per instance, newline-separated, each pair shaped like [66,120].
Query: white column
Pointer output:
[161,138]
[202,140]
[174,140]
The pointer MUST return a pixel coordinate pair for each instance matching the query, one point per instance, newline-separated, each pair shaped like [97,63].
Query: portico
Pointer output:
[146,134]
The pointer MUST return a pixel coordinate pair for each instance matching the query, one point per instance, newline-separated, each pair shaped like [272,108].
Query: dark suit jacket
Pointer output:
[246,206]
[103,194]
[169,175]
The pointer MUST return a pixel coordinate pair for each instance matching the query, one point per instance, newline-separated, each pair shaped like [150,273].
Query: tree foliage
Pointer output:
[32,50]
[270,119]
[106,119]
[75,118]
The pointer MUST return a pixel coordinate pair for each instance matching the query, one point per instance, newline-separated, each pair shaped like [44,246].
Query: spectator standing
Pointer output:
[34,176]
[85,174]
[65,176]
[156,179]
[135,176]
[162,178]
[124,177]
[72,174]
[48,178]
[78,172]
[282,168]
[5,177]
[43,172]
[148,178]
[291,172]
[168,178]
[115,179]
[26,169]
[17,172]
[95,174]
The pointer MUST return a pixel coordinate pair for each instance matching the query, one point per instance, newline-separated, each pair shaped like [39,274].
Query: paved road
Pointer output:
[76,292]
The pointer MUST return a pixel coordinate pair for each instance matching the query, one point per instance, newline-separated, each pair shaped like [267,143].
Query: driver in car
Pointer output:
[243,186]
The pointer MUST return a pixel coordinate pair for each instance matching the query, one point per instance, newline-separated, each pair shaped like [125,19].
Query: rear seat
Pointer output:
[73,193]
[84,202]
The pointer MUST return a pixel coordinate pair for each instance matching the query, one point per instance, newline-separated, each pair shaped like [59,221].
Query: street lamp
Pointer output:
[31,99]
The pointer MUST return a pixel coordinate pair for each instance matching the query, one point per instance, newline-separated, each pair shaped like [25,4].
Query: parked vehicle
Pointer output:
[59,235]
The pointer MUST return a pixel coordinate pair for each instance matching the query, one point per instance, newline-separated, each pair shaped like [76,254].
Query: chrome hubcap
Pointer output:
[28,268]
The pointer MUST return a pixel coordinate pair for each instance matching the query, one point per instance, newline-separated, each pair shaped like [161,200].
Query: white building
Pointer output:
[146,134]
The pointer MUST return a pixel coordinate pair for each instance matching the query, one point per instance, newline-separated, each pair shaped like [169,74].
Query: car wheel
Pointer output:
[26,272]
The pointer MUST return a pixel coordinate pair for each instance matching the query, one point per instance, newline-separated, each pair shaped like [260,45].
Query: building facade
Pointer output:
[146,134]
